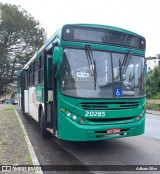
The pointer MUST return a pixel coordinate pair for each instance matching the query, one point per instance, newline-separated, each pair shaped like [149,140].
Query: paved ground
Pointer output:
[152,126]
[140,150]
[153,112]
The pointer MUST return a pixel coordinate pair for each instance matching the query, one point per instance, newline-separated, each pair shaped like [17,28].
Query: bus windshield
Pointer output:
[114,77]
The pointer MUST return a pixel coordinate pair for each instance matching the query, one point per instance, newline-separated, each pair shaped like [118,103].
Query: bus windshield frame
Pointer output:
[77,80]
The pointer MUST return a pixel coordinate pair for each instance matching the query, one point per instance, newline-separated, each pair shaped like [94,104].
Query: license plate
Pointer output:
[113,131]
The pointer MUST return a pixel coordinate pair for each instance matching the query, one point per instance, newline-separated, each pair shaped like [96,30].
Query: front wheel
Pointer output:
[44,132]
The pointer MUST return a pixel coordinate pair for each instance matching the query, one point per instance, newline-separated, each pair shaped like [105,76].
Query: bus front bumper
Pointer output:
[69,130]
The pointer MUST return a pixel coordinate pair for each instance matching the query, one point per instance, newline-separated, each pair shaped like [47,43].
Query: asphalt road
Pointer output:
[153,126]
[140,150]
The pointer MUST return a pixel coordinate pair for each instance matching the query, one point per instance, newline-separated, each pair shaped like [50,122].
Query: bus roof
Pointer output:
[105,27]
[57,35]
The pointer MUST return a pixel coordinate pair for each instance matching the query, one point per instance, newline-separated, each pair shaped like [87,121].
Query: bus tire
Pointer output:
[44,132]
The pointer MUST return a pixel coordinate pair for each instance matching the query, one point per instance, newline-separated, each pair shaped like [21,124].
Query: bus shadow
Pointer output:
[107,146]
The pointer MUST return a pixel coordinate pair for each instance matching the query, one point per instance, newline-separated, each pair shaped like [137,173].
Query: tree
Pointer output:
[20,36]
[153,83]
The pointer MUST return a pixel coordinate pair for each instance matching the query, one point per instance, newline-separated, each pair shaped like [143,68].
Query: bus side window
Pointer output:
[41,70]
[26,79]
[35,72]
[30,75]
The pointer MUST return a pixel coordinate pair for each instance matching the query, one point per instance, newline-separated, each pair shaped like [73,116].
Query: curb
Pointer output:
[30,147]
[153,112]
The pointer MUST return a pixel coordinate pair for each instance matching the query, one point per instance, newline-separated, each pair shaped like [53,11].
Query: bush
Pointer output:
[153,83]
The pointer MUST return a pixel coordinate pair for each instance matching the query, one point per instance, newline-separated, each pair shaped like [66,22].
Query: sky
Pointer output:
[139,16]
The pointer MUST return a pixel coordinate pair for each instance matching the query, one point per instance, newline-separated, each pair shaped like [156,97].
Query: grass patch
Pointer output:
[13,147]
[152,106]
[27,156]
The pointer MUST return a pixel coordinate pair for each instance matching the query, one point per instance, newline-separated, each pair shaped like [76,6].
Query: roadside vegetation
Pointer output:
[13,147]
[20,36]
[153,87]
[152,106]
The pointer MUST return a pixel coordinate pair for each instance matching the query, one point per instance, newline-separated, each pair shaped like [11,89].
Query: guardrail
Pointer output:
[157,102]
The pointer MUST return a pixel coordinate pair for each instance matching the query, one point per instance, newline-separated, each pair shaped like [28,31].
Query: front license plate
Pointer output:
[113,131]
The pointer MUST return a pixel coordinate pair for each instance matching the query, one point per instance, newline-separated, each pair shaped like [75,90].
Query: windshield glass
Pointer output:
[78,80]
[128,79]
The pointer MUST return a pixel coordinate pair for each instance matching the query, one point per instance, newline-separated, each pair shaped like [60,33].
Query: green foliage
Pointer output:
[153,83]
[157,96]
[20,36]
[152,106]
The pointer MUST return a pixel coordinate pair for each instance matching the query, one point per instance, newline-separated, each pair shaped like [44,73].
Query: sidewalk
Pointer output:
[13,146]
[153,112]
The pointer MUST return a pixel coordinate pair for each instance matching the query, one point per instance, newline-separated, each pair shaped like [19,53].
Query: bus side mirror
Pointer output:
[57,55]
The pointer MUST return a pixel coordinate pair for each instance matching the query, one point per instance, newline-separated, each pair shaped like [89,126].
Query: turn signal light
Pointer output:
[81,120]
[63,110]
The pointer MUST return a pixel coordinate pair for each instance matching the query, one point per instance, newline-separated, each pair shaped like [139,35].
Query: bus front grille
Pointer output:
[109,105]
[129,119]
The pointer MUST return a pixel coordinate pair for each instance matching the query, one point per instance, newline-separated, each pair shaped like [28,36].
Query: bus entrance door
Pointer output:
[24,90]
[51,120]
[49,93]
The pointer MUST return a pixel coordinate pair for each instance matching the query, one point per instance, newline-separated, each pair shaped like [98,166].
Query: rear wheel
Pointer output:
[44,132]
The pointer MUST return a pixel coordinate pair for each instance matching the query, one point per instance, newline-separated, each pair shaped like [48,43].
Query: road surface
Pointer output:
[139,150]
[153,126]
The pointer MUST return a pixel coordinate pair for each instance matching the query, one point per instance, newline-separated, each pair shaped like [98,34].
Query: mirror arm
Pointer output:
[56,74]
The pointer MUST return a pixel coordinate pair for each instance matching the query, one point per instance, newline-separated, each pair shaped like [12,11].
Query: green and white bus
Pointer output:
[86,83]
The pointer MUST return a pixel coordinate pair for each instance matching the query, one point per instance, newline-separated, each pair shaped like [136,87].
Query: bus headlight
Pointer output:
[68,114]
[138,118]
[142,114]
[74,117]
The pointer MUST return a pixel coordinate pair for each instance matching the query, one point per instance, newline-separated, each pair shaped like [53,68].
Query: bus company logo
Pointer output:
[6,168]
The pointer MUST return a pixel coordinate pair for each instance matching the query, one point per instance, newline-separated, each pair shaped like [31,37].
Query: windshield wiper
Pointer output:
[91,63]
[95,75]
[89,58]
[123,67]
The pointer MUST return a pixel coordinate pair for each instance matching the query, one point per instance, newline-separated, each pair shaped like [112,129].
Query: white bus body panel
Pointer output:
[33,105]
[25,101]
